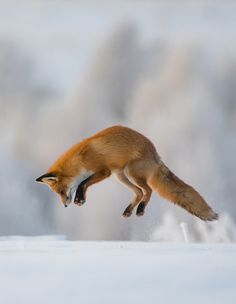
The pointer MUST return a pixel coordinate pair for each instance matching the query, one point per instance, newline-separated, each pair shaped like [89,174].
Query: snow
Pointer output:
[55,270]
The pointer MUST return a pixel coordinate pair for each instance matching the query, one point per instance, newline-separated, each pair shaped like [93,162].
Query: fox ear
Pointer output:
[47,178]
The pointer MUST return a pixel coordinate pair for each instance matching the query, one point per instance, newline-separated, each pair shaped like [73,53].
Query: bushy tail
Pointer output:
[175,190]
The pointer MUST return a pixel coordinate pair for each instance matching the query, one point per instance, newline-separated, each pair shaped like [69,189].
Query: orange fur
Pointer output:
[133,158]
[175,190]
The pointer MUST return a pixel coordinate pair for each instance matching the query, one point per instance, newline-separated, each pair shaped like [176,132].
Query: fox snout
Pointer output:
[66,200]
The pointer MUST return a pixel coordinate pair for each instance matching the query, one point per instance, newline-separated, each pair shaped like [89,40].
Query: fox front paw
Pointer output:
[79,196]
[79,202]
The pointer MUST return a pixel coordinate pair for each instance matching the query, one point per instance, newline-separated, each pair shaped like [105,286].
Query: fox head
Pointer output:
[59,184]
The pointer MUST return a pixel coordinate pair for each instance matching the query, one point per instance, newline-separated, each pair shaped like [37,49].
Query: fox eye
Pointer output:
[61,192]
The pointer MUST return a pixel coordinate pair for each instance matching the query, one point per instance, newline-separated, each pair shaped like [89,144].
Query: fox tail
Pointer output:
[169,186]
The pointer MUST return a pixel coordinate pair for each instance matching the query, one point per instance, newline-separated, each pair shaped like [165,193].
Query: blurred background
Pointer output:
[69,68]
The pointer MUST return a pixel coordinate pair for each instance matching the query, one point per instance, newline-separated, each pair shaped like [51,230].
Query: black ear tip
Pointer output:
[39,179]
[46,177]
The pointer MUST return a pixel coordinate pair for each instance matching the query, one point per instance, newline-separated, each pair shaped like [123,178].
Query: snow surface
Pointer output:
[55,270]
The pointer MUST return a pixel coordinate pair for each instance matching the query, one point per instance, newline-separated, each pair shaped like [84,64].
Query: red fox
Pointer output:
[134,160]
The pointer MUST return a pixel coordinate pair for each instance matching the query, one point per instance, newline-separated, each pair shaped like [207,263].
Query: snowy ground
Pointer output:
[54,270]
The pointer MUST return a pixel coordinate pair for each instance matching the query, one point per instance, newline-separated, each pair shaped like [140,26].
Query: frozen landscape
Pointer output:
[70,68]
[54,270]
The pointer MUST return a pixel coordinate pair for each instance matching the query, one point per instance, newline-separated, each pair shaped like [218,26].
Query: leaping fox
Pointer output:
[134,160]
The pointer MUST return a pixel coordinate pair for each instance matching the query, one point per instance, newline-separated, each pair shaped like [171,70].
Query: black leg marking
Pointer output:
[140,209]
[80,192]
[128,211]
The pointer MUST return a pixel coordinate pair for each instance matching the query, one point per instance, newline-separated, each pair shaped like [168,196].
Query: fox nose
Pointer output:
[66,205]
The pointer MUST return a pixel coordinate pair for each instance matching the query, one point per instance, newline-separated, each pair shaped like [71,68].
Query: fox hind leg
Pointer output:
[147,192]
[134,175]
[138,194]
